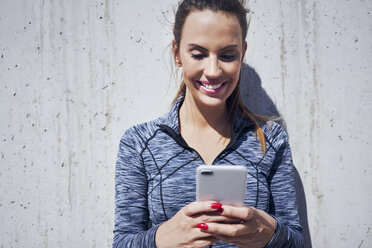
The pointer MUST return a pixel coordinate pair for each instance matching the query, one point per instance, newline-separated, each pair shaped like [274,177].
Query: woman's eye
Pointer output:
[197,56]
[228,57]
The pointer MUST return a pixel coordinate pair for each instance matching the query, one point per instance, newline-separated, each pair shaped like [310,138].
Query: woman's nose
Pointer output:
[212,68]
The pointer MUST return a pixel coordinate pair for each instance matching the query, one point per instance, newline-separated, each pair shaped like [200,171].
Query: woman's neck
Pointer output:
[203,117]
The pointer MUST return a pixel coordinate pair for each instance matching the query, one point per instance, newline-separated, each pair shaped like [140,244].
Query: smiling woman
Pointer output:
[208,124]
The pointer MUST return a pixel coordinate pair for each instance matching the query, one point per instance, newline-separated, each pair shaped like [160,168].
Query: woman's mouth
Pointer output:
[212,87]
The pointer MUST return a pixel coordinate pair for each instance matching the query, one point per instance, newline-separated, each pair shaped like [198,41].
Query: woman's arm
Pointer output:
[131,209]
[280,227]
[283,204]
[131,213]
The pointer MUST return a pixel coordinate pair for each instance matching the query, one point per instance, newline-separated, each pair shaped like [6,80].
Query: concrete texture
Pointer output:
[75,74]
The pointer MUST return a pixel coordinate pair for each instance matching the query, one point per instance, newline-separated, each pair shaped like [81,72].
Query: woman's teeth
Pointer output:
[211,86]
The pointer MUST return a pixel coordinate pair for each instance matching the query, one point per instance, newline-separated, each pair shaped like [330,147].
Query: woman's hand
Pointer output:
[182,230]
[254,231]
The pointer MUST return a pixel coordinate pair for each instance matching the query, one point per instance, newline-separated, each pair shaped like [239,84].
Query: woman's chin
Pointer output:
[212,102]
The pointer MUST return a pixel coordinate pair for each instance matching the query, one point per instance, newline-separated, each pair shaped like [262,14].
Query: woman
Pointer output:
[208,124]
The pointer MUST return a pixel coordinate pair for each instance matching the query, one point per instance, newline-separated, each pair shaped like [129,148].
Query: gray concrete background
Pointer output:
[75,74]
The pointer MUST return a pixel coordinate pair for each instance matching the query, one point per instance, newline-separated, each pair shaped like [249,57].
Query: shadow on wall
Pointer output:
[257,101]
[254,96]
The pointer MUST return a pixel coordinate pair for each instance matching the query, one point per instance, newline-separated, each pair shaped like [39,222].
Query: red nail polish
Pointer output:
[220,210]
[216,205]
[202,226]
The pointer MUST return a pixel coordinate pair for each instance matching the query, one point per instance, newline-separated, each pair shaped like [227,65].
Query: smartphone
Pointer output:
[222,183]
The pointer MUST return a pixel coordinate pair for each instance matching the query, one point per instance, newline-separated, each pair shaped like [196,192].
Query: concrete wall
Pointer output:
[75,74]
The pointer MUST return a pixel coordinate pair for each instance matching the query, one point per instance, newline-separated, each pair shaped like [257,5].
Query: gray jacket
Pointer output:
[155,178]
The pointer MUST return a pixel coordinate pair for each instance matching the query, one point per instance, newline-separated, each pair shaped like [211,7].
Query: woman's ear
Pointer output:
[176,54]
[244,49]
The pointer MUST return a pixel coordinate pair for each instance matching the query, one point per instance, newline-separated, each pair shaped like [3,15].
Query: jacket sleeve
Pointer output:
[283,203]
[131,211]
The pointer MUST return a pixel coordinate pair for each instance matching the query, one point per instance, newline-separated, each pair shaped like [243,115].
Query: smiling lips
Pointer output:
[212,87]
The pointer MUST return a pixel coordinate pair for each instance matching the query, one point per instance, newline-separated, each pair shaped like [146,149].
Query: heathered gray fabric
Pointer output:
[155,178]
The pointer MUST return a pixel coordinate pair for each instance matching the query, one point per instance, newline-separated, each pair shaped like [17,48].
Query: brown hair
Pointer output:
[234,103]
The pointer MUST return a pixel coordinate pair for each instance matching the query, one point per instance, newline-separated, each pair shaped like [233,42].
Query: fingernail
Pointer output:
[216,205]
[202,226]
[220,210]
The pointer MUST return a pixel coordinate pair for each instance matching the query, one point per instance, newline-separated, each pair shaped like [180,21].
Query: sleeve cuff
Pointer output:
[142,239]
[276,236]
[152,233]
[285,237]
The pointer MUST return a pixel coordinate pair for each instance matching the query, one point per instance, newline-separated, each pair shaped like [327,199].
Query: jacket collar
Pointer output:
[172,118]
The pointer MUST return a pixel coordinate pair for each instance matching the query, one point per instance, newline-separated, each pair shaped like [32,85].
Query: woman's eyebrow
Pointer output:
[204,49]
[197,46]
[229,46]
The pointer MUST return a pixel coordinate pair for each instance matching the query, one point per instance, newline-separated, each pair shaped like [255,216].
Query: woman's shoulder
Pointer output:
[275,133]
[138,134]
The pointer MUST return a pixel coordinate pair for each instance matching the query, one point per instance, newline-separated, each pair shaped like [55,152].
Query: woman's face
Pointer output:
[210,53]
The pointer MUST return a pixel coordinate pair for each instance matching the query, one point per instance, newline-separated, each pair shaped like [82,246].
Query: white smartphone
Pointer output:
[222,183]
